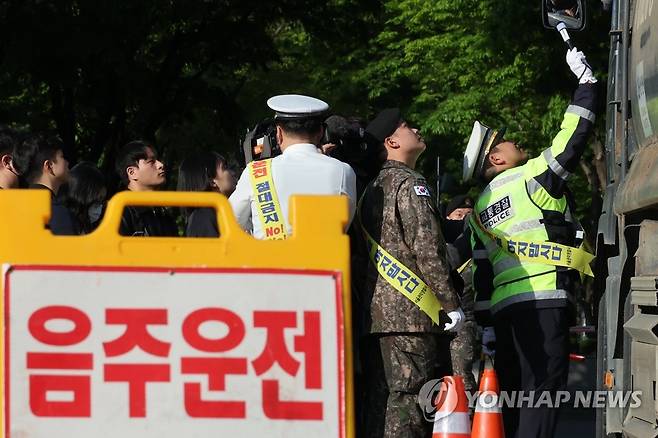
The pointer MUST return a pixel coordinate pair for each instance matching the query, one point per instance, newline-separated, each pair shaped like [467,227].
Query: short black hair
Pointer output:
[8,140]
[306,126]
[30,155]
[129,155]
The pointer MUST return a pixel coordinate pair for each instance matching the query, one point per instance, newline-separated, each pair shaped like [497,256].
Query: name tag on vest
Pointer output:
[497,213]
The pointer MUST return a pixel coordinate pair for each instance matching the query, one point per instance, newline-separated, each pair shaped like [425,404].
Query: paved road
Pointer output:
[579,423]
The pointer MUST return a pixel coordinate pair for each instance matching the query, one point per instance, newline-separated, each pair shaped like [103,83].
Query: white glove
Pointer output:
[489,341]
[579,66]
[456,320]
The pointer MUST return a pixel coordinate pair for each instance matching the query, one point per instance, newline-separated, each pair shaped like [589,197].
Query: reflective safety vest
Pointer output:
[523,234]
[509,208]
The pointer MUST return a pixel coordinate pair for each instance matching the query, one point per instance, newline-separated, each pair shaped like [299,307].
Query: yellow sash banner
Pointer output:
[400,277]
[267,201]
[546,253]
[463,267]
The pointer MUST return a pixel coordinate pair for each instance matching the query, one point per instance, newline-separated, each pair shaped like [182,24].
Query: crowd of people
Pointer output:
[305,164]
[421,278]
[79,194]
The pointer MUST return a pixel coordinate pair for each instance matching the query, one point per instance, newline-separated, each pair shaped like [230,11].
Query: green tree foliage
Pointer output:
[103,72]
[320,59]
[446,63]
[195,74]
[450,62]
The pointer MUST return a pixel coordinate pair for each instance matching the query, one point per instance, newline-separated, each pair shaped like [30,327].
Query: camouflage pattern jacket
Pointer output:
[398,212]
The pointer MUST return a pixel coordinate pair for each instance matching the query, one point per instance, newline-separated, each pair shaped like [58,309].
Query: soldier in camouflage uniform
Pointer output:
[463,345]
[403,350]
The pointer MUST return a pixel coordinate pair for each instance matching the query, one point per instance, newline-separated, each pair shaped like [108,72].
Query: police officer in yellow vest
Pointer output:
[261,198]
[527,255]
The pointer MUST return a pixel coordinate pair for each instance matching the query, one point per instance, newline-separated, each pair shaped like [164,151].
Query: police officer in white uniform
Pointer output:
[301,169]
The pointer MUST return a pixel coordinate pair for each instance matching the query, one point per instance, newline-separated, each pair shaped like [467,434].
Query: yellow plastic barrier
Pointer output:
[67,304]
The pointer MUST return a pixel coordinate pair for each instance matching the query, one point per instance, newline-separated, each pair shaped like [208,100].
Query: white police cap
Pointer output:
[296,106]
[483,138]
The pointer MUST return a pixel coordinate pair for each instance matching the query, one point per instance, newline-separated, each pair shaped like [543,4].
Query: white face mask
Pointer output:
[95,211]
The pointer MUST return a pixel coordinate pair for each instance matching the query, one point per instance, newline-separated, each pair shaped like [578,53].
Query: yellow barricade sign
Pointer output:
[401,278]
[546,253]
[266,199]
[106,335]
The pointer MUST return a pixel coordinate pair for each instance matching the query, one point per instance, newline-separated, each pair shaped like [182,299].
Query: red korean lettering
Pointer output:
[278,409]
[60,361]
[137,376]
[136,334]
[259,169]
[217,369]
[41,384]
[275,350]
[79,332]
[260,173]
[78,387]
[310,344]
[234,323]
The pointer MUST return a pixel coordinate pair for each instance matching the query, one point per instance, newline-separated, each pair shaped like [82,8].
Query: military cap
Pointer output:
[483,138]
[385,124]
[296,106]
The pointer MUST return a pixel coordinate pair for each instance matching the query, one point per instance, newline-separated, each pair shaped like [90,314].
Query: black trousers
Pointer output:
[532,354]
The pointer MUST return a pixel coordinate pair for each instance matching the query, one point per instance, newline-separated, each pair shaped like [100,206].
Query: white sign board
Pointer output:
[125,352]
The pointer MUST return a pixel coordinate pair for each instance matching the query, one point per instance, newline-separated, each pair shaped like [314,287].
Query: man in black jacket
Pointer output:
[141,171]
[41,163]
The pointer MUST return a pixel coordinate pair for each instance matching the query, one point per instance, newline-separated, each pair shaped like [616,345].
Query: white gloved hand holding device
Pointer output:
[579,66]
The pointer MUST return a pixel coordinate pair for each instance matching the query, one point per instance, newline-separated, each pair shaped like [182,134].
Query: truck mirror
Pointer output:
[569,12]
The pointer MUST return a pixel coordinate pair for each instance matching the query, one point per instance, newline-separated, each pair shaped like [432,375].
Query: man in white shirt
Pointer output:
[262,196]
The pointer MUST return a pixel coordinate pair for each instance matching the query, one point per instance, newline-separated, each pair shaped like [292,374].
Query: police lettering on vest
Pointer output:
[497,212]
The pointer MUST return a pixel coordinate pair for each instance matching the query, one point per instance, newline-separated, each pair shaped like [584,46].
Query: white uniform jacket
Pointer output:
[300,170]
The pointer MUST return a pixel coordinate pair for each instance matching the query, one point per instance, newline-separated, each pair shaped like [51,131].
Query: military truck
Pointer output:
[627,237]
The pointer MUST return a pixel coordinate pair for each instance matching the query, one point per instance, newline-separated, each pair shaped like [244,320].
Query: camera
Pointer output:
[260,142]
[349,136]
